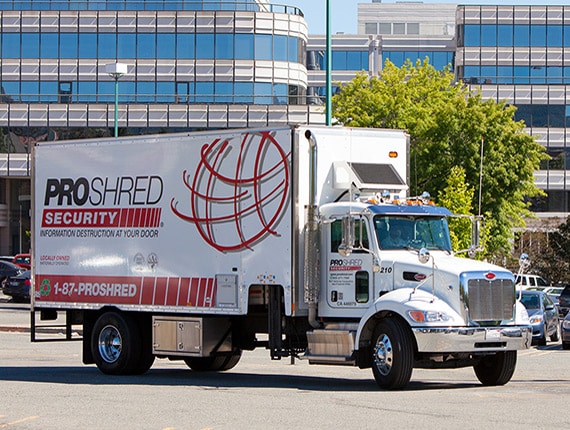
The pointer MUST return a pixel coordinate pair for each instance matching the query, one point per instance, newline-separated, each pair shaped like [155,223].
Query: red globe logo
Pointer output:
[238,192]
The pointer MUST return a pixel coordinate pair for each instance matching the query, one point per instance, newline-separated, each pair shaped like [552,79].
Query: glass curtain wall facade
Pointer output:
[521,54]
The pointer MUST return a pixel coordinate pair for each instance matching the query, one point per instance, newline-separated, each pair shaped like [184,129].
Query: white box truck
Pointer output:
[301,240]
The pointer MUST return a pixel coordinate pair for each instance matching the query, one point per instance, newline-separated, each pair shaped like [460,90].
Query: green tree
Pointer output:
[448,124]
[457,196]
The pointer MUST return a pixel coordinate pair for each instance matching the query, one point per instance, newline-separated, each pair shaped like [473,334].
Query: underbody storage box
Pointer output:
[190,336]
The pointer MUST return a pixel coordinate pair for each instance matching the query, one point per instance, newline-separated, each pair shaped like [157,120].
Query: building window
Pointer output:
[413,28]
[64,91]
[370,28]
[384,28]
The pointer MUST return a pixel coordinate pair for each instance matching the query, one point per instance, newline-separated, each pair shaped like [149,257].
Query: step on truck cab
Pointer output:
[301,240]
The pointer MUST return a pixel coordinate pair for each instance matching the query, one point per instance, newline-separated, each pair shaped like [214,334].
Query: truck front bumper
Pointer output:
[472,339]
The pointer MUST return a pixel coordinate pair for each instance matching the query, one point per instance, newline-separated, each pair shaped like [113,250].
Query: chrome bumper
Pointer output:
[473,339]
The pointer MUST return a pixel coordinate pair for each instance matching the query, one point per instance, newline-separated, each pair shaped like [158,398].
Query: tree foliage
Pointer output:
[457,197]
[448,124]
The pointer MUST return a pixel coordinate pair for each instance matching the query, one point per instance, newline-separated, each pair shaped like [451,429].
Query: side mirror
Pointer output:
[476,229]
[524,263]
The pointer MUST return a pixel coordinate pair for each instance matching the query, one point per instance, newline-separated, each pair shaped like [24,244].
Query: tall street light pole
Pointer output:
[328,66]
[116,71]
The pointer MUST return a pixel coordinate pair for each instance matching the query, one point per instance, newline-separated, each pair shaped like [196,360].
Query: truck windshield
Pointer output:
[411,232]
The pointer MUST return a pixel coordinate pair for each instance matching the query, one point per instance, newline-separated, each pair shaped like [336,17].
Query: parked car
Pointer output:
[8,269]
[543,316]
[565,331]
[18,287]
[23,260]
[564,300]
[526,281]
[554,292]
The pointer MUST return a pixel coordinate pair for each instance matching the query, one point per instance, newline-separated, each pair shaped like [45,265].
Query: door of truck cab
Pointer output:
[348,283]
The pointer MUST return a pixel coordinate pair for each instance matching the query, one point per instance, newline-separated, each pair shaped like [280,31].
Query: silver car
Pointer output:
[543,316]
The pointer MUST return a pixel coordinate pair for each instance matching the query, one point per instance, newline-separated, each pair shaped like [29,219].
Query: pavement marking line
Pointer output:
[23,420]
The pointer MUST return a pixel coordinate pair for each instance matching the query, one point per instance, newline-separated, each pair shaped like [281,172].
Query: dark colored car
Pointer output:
[8,269]
[565,331]
[564,300]
[18,287]
[543,316]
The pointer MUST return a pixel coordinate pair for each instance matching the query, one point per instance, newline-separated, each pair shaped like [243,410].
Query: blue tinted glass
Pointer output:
[106,91]
[30,45]
[521,35]
[263,93]
[505,75]
[523,113]
[225,46]
[205,45]
[165,92]
[30,91]
[397,58]
[263,47]
[354,61]
[165,45]
[280,48]
[505,35]
[538,35]
[280,94]
[488,35]
[184,92]
[146,45]
[107,45]
[87,92]
[243,92]
[521,74]
[145,92]
[68,45]
[339,60]
[11,90]
[223,92]
[538,75]
[87,45]
[204,92]
[489,74]
[49,92]
[127,44]
[10,45]
[556,115]
[127,92]
[554,35]
[471,35]
[49,45]
[184,46]
[472,74]
[567,35]
[554,74]
[440,59]
[293,50]
[539,115]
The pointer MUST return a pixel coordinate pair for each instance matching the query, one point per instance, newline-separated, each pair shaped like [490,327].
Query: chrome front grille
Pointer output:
[490,300]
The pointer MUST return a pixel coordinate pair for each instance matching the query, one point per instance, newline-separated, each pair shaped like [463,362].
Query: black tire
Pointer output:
[565,345]
[392,354]
[216,363]
[146,358]
[542,340]
[497,369]
[116,345]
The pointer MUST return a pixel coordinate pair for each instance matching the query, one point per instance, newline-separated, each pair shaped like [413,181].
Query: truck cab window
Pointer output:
[336,236]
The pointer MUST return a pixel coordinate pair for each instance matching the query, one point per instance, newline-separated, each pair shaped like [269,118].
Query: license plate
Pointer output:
[492,334]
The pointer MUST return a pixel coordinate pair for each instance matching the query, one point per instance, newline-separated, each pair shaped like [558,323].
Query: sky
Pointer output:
[344,12]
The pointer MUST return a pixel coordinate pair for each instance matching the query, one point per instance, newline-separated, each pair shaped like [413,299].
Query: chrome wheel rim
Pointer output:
[110,344]
[383,355]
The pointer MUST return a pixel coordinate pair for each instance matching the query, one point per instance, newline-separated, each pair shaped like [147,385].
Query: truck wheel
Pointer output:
[115,344]
[217,363]
[496,369]
[392,355]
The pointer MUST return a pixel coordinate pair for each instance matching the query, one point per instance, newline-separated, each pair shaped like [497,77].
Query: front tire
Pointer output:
[497,369]
[115,344]
[392,355]
[556,335]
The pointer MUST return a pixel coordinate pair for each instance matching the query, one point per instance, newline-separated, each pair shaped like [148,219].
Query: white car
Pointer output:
[536,282]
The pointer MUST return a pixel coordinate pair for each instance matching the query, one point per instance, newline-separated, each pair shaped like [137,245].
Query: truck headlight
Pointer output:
[428,316]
